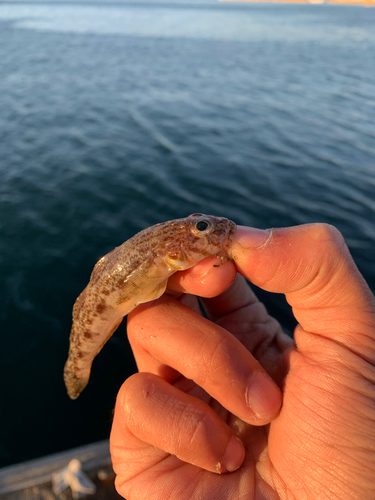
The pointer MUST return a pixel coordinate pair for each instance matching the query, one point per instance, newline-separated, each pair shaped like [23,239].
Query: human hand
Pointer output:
[175,419]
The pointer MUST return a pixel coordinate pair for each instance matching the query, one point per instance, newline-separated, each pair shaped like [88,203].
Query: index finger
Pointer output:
[209,278]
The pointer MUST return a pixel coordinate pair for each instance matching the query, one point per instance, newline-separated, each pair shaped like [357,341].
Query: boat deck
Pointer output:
[33,479]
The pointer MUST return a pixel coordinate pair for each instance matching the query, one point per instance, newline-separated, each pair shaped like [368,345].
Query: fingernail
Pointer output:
[251,237]
[263,396]
[233,457]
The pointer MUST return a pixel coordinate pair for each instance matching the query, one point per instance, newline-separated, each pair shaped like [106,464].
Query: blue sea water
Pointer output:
[118,115]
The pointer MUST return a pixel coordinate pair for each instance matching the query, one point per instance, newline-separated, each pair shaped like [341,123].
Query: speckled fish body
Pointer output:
[133,273]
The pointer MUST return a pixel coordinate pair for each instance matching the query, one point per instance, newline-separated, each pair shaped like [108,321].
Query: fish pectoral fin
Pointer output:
[177,261]
[155,292]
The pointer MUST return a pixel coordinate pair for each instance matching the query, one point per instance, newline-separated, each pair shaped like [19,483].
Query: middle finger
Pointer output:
[169,339]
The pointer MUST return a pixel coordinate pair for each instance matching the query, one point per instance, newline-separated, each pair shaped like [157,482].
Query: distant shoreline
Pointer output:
[366,3]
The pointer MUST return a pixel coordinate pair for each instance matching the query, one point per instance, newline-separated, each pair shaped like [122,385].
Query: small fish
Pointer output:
[133,273]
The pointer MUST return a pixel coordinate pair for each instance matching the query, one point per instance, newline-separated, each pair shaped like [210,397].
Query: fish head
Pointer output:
[196,237]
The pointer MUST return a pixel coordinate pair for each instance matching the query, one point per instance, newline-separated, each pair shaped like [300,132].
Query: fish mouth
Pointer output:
[226,231]
[230,233]
[232,229]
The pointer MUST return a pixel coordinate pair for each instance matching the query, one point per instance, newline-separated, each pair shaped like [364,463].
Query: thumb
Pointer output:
[312,266]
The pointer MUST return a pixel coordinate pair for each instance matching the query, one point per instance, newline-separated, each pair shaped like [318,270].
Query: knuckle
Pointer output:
[128,397]
[194,426]
[136,332]
[328,233]
[213,358]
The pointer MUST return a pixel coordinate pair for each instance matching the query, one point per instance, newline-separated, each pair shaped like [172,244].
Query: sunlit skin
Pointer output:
[306,430]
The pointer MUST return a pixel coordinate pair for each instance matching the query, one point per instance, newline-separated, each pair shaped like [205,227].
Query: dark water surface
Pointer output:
[115,116]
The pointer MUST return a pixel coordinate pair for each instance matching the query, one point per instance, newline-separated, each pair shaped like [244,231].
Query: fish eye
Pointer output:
[202,227]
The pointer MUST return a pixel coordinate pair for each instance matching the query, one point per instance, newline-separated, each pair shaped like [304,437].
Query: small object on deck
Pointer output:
[106,475]
[73,476]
